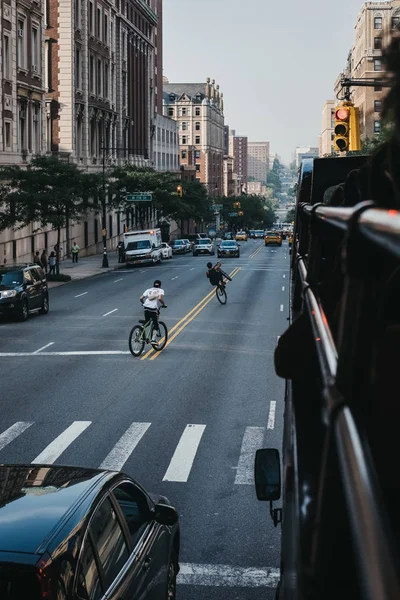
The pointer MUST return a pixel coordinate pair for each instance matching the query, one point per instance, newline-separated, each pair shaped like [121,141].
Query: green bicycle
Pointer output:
[141,335]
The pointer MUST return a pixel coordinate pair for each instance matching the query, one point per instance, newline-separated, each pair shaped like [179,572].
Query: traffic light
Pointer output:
[179,190]
[355,143]
[341,141]
[236,205]
[240,213]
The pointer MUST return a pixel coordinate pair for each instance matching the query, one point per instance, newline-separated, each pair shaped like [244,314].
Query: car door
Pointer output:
[30,289]
[37,282]
[147,577]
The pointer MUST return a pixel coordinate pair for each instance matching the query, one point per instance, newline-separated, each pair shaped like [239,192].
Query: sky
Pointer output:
[276,61]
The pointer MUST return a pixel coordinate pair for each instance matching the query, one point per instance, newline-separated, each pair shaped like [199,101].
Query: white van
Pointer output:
[143,247]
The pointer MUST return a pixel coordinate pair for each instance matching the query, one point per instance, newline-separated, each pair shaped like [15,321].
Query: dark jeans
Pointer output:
[151,315]
[74,257]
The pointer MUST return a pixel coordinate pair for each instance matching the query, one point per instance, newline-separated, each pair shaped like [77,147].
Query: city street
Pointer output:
[184,422]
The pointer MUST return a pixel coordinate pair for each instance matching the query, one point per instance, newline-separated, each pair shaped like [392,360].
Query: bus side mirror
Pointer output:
[267,477]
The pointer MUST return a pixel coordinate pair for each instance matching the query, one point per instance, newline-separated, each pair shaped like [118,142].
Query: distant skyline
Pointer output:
[275,62]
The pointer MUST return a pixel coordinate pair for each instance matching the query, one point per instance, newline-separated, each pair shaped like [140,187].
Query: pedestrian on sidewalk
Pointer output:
[52,263]
[37,260]
[44,260]
[75,252]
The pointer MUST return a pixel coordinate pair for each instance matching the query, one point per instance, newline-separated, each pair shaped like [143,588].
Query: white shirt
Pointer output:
[152,295]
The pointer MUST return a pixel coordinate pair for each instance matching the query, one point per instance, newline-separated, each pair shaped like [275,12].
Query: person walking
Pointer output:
[44,261]
[37,260]
[52,263]
[75,252]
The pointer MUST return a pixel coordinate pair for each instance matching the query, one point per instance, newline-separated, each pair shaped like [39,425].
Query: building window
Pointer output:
[36,129]
[183,111]
[377,64]
[184,126]
[22,127]
[163,135]
[197,139]
[197,111]
[22,47]
[378,43]
[7,135]
[197,154]
[91,74]
[78,13]
[6,57]
[124,45]
[377,88]
[106,81]
[377,126]
[167,134]
[124,99]
[184,154]
[395,22]
[184,140]
[378,23]
[35,49]
[377,105]
[112,35]
[78,69]
[99,86]
[98,23]
[170,112]
[197,126]
[197,167]
[106,29]
[91,18]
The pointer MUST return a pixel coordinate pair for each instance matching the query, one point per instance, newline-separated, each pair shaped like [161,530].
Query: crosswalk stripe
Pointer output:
[61,443]
[227,576]
[122,450]
[252,440]
[181,463]
[13,432]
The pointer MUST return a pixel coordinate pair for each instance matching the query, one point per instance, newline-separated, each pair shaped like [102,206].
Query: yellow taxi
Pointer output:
[290,239]
[273,237]
[241,236]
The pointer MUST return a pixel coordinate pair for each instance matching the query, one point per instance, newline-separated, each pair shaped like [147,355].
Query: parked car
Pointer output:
[73,533]
[241,236]
[273,237]
[189,244]
[23,289]
[229,248]
[203,246]
[166,250]
[178,247]
[203,236]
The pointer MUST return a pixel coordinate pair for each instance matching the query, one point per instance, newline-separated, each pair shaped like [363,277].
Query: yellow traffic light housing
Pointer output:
[240,213]
[179,190]
[236,205]
[355,143]
[341,141]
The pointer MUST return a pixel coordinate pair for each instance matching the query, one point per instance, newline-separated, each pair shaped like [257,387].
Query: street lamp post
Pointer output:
[104,215]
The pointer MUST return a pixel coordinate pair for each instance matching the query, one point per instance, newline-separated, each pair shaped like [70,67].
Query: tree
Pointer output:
[290,215]
[48,192]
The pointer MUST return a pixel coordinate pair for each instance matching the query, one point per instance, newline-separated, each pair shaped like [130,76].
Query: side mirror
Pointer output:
[267,477]
[166,515]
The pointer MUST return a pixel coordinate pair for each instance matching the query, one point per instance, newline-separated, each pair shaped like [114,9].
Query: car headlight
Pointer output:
[8,294]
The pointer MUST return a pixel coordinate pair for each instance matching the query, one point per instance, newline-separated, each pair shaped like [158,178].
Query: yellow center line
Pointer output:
[206,301]
[256,252]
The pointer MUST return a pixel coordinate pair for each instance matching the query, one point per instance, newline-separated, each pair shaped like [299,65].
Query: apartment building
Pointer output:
[165,144]
[198,109]
[327,131]
[258,161]
[374,25]
[303,152]
[22,80]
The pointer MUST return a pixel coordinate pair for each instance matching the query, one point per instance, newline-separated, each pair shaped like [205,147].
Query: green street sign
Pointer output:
[216,207]
[232,214]
[139,197]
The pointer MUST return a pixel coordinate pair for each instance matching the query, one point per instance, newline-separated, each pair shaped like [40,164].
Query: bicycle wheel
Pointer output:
[221,294]
[136,342]
[163,338]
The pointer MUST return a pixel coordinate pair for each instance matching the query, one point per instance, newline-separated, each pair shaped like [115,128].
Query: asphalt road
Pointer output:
[184,422]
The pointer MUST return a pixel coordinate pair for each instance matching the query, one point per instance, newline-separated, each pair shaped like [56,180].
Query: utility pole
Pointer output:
[104,215]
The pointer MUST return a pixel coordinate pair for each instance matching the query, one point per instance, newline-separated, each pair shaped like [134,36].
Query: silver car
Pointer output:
[203,246]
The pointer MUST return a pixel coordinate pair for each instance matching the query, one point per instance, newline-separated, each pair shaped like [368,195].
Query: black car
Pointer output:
[71,533]
[23,288]
[228,248]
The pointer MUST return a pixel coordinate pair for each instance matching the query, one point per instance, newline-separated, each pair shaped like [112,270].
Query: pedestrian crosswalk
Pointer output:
[183,457]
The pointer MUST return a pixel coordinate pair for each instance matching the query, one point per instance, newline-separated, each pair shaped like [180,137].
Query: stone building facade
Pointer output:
[199,111]
[258,161]
[327,130]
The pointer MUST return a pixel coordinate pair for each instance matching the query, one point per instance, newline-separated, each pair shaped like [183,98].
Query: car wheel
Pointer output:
[172,574]
[45,306]
[23,311]
[238,255]
[194,254]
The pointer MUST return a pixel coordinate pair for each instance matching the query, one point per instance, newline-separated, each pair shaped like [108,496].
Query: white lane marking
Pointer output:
[116,281]
[277,339]
[185,453]
[43,347]
[143,271]
[72,353]
[122,450]
[253,439]
[175,278]
[192,269]
[284,276]
[110,312]
[281,307]
[61,443]
[271,416]
[227,576]
[13,432]
[79,295]
[283,288]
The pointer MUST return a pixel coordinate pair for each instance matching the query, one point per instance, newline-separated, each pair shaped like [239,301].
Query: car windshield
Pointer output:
[273,234]
[259,232]
[228,245]
[11,278]
[204,242]
[178,243]
[139,245]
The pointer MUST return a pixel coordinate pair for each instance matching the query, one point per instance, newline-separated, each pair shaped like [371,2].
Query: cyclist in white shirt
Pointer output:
[152,299]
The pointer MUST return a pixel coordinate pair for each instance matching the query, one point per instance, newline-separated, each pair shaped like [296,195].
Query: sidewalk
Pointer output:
[87,266]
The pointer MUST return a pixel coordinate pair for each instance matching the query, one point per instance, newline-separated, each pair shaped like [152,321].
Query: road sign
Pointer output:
[217,207]
[139,197]
[232,214]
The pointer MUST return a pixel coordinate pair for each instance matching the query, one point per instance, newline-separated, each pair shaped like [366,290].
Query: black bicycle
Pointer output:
[220,290]
[142,334]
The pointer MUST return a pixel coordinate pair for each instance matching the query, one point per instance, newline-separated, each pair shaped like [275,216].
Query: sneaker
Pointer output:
[154,343]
